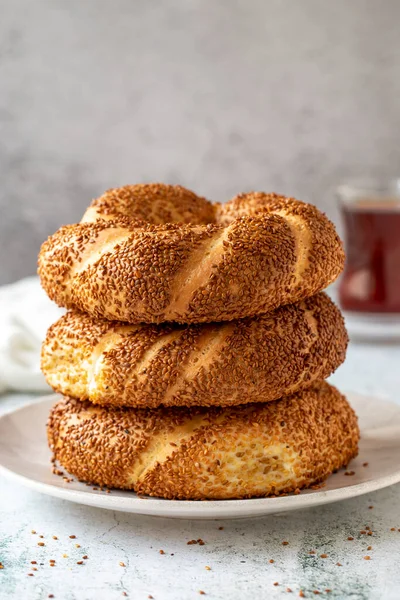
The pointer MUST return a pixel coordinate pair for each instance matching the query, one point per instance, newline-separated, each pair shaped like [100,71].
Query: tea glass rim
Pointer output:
[374,188]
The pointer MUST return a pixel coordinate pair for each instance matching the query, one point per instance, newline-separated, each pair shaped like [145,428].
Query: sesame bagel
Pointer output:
[257,359]
[207,453]
[135,263]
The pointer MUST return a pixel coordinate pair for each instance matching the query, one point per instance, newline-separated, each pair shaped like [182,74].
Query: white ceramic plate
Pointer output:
[372,327]
[25,457]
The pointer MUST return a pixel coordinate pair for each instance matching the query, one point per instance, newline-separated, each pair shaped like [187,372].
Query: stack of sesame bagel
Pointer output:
[192,359]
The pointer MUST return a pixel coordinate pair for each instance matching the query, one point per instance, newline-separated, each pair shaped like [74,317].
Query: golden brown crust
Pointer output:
[256,359]
[257,252]
[154,203]
[215,453]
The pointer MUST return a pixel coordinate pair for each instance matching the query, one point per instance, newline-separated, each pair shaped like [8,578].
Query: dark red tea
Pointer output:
[371,281]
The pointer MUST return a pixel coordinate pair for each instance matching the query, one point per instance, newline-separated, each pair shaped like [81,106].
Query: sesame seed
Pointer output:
[113,419]
[70,245]
[367,557]
[41,544]
[122,564]
[324,556]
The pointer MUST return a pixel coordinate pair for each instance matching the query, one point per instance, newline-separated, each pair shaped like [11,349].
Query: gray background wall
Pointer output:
[222,97]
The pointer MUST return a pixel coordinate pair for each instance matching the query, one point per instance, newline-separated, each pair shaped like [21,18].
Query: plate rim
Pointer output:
[195,509]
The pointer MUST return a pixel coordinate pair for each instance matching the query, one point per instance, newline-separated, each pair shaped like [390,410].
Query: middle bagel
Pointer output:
[260,358]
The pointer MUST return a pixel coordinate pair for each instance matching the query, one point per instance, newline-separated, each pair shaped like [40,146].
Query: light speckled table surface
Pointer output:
[238,555]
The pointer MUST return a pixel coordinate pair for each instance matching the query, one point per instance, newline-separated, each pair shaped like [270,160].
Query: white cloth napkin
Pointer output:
[25,314]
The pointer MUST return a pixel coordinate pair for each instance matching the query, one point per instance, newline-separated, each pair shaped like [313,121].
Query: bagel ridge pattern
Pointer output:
[257,252]
[256,359]
[215,453]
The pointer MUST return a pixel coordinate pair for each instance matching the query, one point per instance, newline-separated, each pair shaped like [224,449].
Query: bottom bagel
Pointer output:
[207,453]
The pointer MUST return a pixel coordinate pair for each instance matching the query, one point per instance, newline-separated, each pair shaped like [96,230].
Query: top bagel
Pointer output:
[155,253]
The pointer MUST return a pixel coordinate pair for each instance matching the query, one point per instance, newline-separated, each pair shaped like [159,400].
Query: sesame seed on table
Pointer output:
[237,559]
